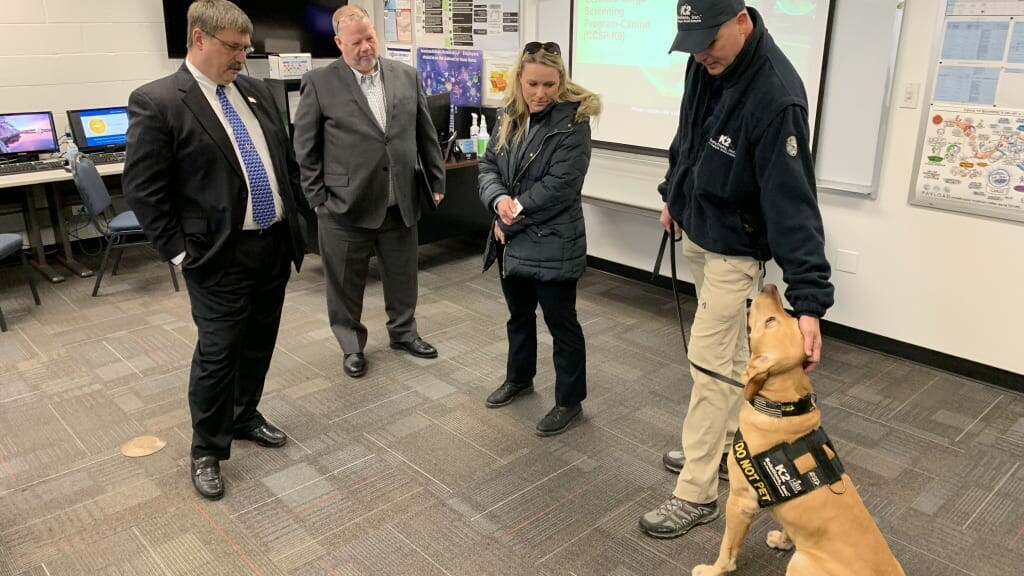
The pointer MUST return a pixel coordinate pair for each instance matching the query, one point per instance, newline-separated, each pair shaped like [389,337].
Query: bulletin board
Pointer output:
[970,155]
[465,47]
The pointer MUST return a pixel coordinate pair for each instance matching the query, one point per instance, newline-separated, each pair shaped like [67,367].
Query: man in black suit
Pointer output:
[359,126]
[210,174]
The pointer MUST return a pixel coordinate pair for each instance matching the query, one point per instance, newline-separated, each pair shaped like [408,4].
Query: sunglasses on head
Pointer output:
[549,47]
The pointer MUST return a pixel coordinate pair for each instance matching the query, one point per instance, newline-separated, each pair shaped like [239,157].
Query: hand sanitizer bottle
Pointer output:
[71,150]
[474,131]
[483,137]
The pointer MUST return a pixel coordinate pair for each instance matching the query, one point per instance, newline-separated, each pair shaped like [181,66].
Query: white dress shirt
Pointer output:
[209,88]
[372,85]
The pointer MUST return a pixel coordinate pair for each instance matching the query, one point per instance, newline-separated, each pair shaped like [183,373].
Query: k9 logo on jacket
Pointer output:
[723,144]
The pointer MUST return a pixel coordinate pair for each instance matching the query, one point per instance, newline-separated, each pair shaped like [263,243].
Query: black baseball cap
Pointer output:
[698,21]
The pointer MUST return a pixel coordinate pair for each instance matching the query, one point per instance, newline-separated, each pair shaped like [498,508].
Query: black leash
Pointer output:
[675,290]
[679,308]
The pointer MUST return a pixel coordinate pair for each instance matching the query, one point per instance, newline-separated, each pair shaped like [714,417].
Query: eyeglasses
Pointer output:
[549,47]
[235,47]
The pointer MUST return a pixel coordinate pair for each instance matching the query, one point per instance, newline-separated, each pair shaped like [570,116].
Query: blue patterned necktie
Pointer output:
[263,212]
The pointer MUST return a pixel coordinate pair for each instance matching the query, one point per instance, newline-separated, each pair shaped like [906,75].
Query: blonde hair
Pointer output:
[212,16]
[512,128]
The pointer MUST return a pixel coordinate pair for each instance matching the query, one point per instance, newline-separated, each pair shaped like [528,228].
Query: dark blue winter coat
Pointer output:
[545,173]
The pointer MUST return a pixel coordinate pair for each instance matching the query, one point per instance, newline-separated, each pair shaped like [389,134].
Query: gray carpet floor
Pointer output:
[406,472]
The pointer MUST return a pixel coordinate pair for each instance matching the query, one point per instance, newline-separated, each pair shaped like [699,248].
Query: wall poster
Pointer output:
[476,24]
[456,71]
[971,153]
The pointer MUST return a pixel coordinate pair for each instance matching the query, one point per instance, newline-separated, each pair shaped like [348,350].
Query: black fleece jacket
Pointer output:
[741,178]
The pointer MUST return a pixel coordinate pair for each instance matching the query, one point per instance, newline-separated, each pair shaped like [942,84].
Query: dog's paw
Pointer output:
[779,540]
[704,570]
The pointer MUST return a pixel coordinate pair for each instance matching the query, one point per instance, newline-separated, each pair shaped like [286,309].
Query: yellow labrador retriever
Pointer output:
[833,532]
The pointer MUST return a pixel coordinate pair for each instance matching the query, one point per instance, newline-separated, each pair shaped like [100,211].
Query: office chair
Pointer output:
[120,231]
[9,244]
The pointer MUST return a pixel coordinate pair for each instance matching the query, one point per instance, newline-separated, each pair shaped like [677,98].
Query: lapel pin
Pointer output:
[251,99]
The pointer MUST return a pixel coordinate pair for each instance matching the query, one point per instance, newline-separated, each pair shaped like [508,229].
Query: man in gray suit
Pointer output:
[359,126]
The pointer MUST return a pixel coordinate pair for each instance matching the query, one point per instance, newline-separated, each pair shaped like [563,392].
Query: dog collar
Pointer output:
[785,409]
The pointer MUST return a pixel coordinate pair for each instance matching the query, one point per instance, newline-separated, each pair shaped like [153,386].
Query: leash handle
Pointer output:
[675,292]
[665,241]
[661,253]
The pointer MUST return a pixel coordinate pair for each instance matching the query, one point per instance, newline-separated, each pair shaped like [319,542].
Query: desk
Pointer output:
[35,185]
[460,213]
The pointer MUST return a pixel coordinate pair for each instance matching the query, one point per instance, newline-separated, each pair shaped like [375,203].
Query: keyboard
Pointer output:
[34,166]
[106,157]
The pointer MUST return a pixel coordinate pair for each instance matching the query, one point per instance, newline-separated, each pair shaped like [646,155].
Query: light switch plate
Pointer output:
[847,261]
[910,94]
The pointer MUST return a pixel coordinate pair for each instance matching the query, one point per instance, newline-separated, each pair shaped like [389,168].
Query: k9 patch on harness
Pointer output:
[773,474]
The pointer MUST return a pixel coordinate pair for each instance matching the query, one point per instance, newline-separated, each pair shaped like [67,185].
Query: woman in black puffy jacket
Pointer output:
[531,178]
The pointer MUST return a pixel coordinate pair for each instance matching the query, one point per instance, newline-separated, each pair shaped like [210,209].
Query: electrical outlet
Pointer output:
[910,95]
[847,261]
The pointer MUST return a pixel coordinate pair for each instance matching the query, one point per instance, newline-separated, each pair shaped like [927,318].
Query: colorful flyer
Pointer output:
[458,72]
[497,77]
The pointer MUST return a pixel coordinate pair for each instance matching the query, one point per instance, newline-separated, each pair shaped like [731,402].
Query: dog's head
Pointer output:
[776,345]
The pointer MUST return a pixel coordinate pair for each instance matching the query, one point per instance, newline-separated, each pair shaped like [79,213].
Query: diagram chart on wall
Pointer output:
[972,151]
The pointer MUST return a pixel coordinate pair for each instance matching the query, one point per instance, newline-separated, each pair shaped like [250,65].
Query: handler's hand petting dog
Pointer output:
[833,532]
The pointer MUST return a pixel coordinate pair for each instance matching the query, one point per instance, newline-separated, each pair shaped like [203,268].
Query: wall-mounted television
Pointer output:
[279,26]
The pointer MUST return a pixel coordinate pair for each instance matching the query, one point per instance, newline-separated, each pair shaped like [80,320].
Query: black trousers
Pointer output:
[237,317]
[345,252]
[558,302]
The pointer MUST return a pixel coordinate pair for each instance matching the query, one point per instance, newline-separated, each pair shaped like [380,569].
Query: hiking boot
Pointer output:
[674,460]
[676,517]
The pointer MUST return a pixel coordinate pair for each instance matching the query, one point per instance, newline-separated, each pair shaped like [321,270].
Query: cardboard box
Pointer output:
[289,66]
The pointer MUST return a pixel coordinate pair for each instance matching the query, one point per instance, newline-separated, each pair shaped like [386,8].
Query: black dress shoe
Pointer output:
[206,477]
[417,348]
[506,393]
[266,435]
[558,419]
[355,364]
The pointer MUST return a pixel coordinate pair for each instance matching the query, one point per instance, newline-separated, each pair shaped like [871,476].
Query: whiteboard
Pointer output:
[853,105]
[854,108]
[620,49]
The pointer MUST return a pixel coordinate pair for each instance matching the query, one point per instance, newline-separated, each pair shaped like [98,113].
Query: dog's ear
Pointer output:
[755,375]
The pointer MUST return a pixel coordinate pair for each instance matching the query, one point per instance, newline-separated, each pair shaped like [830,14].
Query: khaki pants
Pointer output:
[718,342]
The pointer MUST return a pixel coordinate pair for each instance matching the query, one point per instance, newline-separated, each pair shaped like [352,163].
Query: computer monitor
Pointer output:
[97,129]
[27,134]
[440,107]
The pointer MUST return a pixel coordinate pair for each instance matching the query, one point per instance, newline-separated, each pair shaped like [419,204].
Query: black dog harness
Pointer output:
[773,474]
